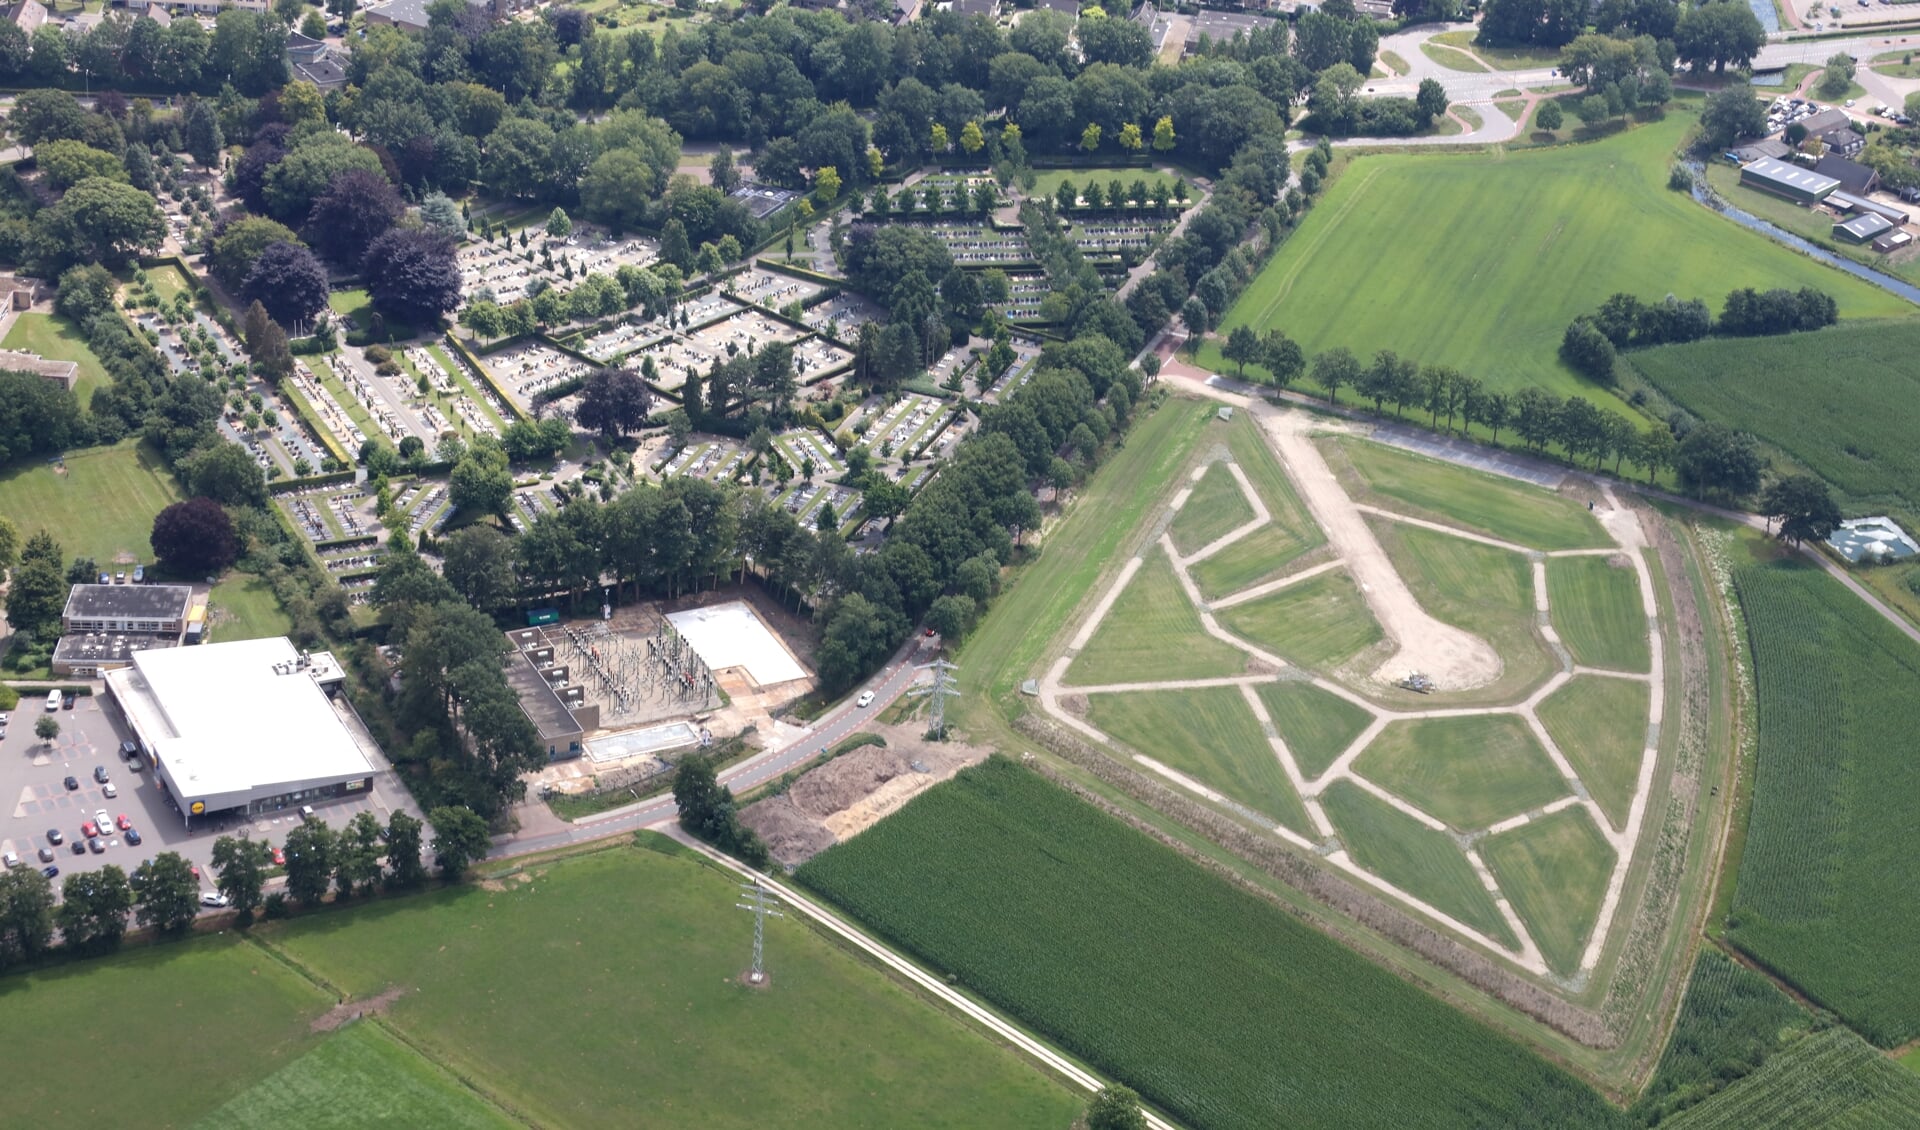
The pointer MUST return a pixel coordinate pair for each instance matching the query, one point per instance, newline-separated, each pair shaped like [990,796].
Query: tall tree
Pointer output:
[202,135]
[38,592]
[94,906]
[1803,506]
[405,867]
[413,276]
[310,860]
[459,838]
[240,871]
[167,894]
[357,207]
[288,280]
[195,537]
[613,403]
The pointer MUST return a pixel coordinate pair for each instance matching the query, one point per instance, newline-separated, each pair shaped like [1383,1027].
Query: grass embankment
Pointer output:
[243,607]
[1507,251]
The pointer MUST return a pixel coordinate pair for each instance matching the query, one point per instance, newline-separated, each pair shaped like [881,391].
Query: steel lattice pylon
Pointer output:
[938,692]
[762,905]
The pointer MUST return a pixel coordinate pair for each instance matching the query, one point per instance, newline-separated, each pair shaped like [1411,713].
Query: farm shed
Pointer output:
[1861,205]
[1803,186]
[1892,241]
[1852,175]
[1863,228]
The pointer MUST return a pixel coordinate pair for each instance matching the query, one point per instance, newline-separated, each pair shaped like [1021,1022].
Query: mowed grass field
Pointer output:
[1419,860]
[1215,508]
[1826,887]
[1317,725]
[1600,723]
[1843,401]
[1212,1002]
[1320,623]
[1269,551]
[602,990]
[243,607]
[1480,261]
[361,1076]
[1596,610]
[1209,734]
[1476,501]
[102,505]
[1153,633]
[1554,871]
[1470,771]
[57,339]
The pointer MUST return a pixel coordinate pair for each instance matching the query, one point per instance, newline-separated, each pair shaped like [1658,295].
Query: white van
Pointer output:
[53,702]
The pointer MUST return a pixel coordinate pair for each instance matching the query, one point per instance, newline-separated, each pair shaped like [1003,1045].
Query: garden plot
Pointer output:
[900,426]
[531,368]
[505,269]
[479,410]
[764,288]
[715,459]
[311,515]
[632,336]
[426,506]
[979,244]
[362,559]
[803,444]
[804,503]
[842,315]
[330,514]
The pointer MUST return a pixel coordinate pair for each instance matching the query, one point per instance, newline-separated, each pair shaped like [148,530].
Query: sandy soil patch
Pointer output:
[340,1013]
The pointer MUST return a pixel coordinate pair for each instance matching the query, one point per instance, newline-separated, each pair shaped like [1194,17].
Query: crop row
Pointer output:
[1826,887]
[1731,1020]
[1212,1003]
[1833,1080]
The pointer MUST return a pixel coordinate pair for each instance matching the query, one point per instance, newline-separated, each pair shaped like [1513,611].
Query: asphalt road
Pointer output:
[887,686]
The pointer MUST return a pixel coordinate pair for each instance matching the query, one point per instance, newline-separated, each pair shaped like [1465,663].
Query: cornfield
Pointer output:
[1731,1020]
[1830,1081]
[1213,1004]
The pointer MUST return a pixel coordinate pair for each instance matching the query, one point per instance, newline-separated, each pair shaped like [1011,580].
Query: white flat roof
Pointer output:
[223,720]
[730,635]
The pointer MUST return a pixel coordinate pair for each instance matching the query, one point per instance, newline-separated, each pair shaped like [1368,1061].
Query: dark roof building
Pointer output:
[90,654]
[974,7]
[1853,176]
[410,14]
[1863,228]
[1803,186]
[542,685]
[1825,121]
[127,608]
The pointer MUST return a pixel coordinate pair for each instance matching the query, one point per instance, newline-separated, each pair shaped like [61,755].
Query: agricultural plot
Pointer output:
[1152,632]
[1216,508]
[1601,725]
[1209,735]
[1469,771]
[98,503]
[1316,724]
[1843,401]
[1415,858]
[639,1025]
[1833,1080]
[1319,623]
[1730,1021]
[1571,225]
[1476,501]
[1826,885]
[1597,612]
[1213,1004]
[1554,870]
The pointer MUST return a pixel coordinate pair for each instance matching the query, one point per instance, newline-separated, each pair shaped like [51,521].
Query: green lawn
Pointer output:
[1512,110]
[1424,863]
[1451,59]
[1911,1059]
[1319,623]
[1047,181]
[1476,501]
[101,506]
[1209,734]
[1317,725]
[1267,552]
[1470,771]
[1554,871]
[361,1076]
[243,607]
[1480,588]
[1601,725]
[1215,508]
[1153,633]
[1596,609]
[157,1036]
[603,990]
[1480,261]
[1504,58]
[54,337]
[1263,555]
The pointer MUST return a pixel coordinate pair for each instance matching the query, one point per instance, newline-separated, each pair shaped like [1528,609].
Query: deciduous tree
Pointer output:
[195,537]
[166,894]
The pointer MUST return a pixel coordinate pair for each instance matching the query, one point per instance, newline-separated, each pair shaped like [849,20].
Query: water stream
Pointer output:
[1704,194]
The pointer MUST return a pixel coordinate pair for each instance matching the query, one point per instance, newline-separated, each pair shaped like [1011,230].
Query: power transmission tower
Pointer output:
[938,692]
[761,906]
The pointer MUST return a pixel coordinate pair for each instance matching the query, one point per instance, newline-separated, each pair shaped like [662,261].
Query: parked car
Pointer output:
[129,749]
[67,701]
[56,836]
[107,790]
[102,818]
[865,700]
[96,847]
[121,822]
[133,836]
[46,855]
[73,783]
[212,898]
[100,774]
[50,871]
[279,857]
[9,860]
[79,847]
[89,830]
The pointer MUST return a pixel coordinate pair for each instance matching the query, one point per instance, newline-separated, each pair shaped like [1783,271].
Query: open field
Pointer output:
[1483,503]
[1316,725]
[1263,555]
[1521,58]
[1470,772]
[1047,181]
[101,506]
[243,607]
[1730,1021]
[1826,884]
[360,1076]
[1451,59]
[571,1010]
[1600,723]
[54,337]
[1209,734]
[1832,1080]
[1507,250]
[1320,623]
[1597,613]
[1153,632]
[1216,508]
[1417,859]
[159,1035]
[1269,551]
[1213,1003]
[1844,401]
[1554,871]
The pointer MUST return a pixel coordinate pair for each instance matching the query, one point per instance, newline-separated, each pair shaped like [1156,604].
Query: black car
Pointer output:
[100,774]
[56,836]
[78,848]
[132,836]
[67,701]
[128,749]
[73,784]
[50,872]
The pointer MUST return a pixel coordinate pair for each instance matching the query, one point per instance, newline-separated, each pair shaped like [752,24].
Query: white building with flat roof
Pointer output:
[246,725]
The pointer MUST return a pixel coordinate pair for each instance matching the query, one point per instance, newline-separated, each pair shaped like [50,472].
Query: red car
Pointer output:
[123,822]
[279,858]
[89,830]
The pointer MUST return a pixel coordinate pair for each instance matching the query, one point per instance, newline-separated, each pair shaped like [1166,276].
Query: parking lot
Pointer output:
[33,773]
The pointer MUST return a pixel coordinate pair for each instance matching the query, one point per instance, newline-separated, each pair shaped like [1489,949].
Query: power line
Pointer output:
[762,905]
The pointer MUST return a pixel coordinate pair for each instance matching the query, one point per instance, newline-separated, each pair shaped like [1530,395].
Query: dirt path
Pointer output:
[345,1011]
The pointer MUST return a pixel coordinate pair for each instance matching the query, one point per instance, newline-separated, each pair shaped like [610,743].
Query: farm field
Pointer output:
[1833,1080]
[1600,723]
[1554,870]
[1597,612]
[1209,734]
[1569,226]
[102,506]
[1419,860]
[360,1076]
[1216,508]
[1487,504]
[1844,401]
[1470,772]
[1826,885]
[57,339]
[1153,632]
[1233,1014]
[249,1017]
[1317,725]
[242,607]
[1265,554]
[638,1019]
[1730,1021]
[1320,623]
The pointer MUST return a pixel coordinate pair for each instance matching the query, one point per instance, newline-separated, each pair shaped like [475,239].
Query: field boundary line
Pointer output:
[1268,588]
[1443,528]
